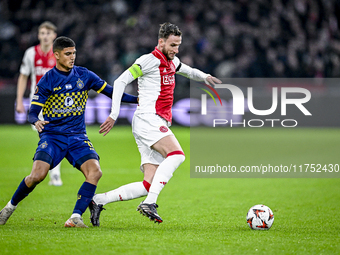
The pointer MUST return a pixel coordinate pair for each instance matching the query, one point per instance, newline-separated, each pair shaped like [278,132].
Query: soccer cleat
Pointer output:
[5,213]
[76,222]
[95,210]
[55,181]
[150,211]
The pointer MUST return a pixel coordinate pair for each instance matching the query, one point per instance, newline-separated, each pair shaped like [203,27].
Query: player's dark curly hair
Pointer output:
[168,29]
[62,42]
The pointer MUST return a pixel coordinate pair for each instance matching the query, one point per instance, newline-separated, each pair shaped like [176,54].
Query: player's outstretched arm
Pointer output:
[213,80]
[197,75]
[106,126]
[126,98]
[125,78]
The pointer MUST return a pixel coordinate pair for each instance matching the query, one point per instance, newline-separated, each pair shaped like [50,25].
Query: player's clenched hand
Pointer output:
[213,80]
[106,126]
[20,108]
[39,125]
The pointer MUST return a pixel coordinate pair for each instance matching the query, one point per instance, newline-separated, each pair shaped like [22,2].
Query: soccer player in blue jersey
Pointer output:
[62,94]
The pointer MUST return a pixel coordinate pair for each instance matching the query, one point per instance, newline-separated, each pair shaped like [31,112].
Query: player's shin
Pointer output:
[21,192]
[163,175]
[125,192]
[85,195]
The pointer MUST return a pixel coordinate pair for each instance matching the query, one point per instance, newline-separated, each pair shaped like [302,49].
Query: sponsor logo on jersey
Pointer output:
[68,101]
[57,88]
[68,86]
[43,145]
[35,97]
[40,71]
[67,110]
[168,79]
[163,129]
[80,84]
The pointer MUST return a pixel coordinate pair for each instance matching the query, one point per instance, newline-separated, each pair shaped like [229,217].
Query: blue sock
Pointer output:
[85,195]
[21,192]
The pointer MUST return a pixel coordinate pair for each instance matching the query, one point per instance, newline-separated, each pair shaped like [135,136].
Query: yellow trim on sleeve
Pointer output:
[101,89]
[40,104]
[135,71]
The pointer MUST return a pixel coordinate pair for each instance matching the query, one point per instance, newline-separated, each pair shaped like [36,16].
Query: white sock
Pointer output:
[55,171]
[9,205]
[75,215]
[163,175]
[125,192]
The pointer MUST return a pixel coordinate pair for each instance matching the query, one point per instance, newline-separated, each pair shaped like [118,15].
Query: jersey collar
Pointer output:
[160,55]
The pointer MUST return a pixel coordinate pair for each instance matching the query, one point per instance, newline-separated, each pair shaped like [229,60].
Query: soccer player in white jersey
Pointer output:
[36,62]
[161,153]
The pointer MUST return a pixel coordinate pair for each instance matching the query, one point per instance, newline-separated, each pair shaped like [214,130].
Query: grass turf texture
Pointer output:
[201,216]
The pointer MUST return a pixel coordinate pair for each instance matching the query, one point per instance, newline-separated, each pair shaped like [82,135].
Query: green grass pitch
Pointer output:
[201,216]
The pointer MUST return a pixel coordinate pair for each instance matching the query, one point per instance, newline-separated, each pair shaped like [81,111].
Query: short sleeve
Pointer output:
[147,63]
[42,92]
[27,62]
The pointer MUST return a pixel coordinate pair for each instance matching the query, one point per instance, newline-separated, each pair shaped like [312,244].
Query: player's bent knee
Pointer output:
[98,174]
[38,174]
[91,170]
[177,157]
[35,179]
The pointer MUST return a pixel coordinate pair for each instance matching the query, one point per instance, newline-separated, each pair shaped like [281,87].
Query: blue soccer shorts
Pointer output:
[76,148]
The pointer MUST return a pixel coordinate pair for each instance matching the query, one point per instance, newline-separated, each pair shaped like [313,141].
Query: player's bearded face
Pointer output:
[171,46]
[66,58]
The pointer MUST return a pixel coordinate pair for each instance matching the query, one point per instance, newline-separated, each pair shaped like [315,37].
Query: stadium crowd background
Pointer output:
[240,38]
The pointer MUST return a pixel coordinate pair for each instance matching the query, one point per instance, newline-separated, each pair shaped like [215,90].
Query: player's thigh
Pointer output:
[38,173]
[149,128]
[91,171]
[147,154]
[80,150]
[51,149]
[166,145]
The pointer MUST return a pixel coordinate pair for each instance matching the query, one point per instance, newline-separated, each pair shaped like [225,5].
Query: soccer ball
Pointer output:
[260,217]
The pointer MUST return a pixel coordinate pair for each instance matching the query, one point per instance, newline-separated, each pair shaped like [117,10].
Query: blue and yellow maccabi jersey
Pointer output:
[63,97]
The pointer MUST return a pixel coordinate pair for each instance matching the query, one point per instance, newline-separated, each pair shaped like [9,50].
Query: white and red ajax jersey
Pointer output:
[36,63]
[156,83]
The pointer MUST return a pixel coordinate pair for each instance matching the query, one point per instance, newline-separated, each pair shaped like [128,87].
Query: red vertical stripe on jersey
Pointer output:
[167,72]
[43,62]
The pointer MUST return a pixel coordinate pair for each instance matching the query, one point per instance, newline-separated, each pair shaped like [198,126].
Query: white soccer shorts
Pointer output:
[149,128]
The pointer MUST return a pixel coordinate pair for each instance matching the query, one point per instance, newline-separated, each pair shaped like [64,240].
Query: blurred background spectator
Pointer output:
[240,38]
